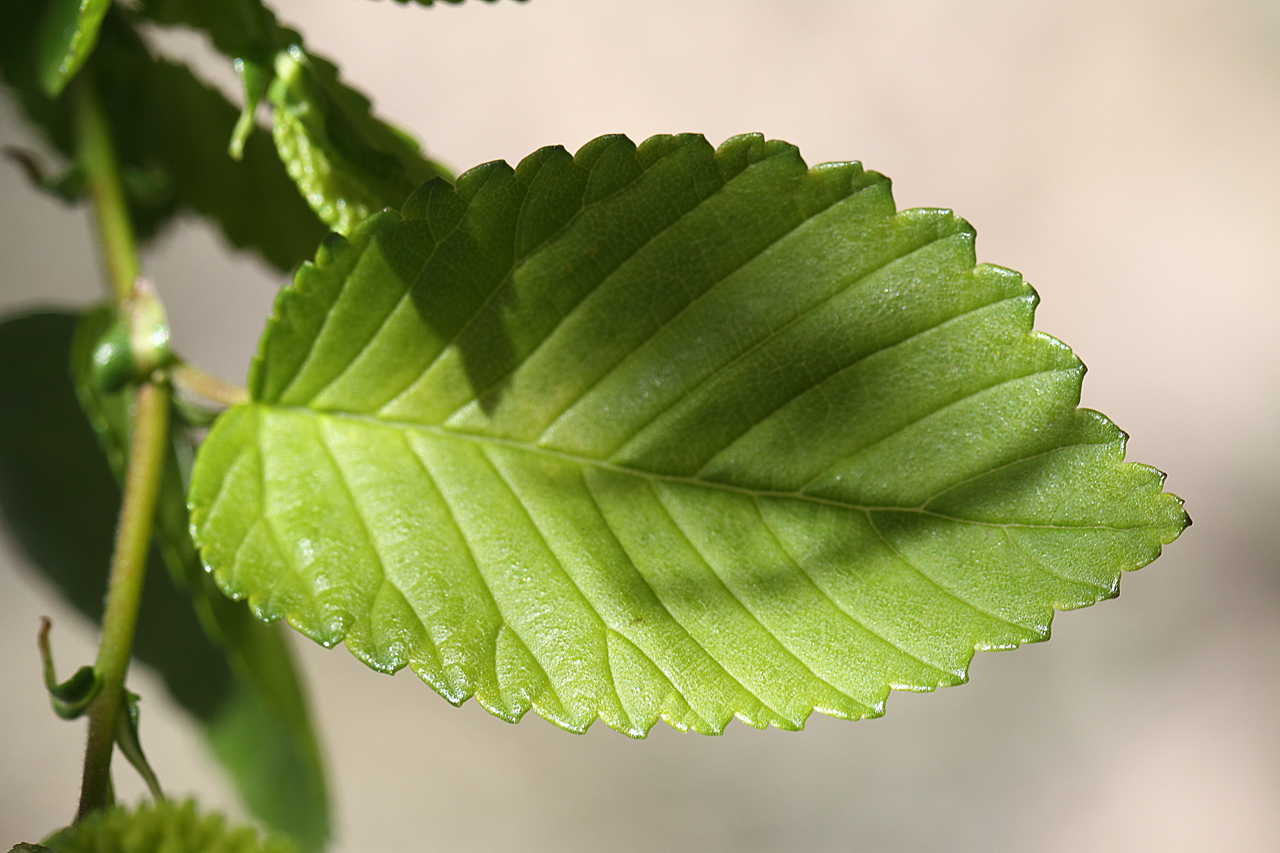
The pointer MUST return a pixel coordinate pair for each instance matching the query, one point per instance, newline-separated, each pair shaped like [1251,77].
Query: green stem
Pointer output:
[149,431]
[97,158]
[150,436]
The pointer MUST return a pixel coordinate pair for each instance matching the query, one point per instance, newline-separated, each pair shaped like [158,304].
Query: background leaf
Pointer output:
[171,132]
[668,433]
[347,162]
[61,499]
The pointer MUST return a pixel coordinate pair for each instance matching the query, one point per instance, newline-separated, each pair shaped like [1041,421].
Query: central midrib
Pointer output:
[587,461]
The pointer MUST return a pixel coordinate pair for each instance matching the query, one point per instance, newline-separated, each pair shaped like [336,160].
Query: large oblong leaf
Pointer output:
[668,433]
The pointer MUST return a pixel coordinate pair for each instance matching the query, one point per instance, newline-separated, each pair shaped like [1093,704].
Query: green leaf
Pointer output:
[60,498]
[161,827]
[128,721]
[71,698]
[347,162]
[170,131]
[668,432]
[69,34]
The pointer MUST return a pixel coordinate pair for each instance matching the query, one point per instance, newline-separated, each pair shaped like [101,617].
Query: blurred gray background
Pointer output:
[1124,155]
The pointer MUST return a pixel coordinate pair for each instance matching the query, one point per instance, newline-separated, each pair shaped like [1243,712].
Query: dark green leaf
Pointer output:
[347,162]
[170,132]
[60,497]
[668,433]
[68,36]
[128,722]
[161,827]
[71,698]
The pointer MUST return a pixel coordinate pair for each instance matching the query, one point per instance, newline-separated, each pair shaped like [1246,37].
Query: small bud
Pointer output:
[136,344]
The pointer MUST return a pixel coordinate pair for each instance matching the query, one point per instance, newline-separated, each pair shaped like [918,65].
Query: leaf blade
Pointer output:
[699,417]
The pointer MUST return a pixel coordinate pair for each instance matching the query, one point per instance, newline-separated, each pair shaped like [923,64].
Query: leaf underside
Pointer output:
[668,433]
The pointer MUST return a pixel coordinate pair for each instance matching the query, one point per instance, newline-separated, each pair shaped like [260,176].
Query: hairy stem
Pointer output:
[149,440]
[97,157]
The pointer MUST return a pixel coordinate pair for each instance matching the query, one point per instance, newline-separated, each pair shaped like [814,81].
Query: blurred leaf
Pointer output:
[433,2]
[161,827]
[347,162]
[170,131]
[60,497]
[68,36]
[667,433]
[71,698]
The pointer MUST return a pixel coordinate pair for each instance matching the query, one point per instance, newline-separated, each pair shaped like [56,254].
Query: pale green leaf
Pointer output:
[161,827]
[347,164]
[67,37]
[668,433]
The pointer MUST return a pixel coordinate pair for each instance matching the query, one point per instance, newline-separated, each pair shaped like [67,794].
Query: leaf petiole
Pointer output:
[196,383]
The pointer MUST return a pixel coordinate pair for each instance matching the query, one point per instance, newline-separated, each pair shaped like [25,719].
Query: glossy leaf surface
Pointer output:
[60,498]
[668,433]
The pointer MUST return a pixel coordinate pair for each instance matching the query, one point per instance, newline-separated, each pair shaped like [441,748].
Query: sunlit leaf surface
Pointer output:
[668,433]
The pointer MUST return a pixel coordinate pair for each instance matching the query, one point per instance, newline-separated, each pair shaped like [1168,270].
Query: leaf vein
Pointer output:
[745,353]
[845,460]
[944,590]
[741,604]
[852,618]
[598,619]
